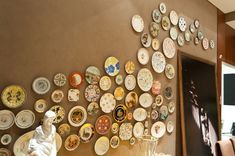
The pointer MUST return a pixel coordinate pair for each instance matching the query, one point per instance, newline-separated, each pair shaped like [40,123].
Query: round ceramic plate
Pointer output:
[114,141]
[131,99]
[60,79]
[196,23]
[140,114]
[146,100]
[166,24]
[57,96]
[196,41]
[143,56]
[159,100]
[72,142]
[5,152]
[40,105]
[115,128]
[119,79]
[92,93]
[101,145]
[92,75]
[205,43]
[73,95]
[75,79]
[146,40]
[155,44]
[7,119]
[162,8]
[41,85]
[180,40]
[130,67]
[132,141]
[173,33]
[107,103]
[187,36]
[212,44]
[169,47]
[170,71]
[154,114]
[171,107]
[168,93]
[169,126]
[64,130]
[182,24]
[192,28]
[154,29]
[77,116]
[93,108]
[174,17]
[158,62]
[158,129]
[105,83]
[103,124]
[125,131]
[6,139]
[120,113]
[200,35]
[145,79]
[156,87]
[163,112]
[24,119]
[138,129]
[112,66]
[157,16]
[137,23]
[119,93]
[130,82]
[86,132]
[60,113]
[13,96]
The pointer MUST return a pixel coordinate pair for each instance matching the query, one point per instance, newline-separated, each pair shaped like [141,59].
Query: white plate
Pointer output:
[57,96]
[60,79]
[162,8]
[169,126]
[200,35]
[40,105]
[105,83]
[146,40]
[6,139]
[140,114]
[174,17]
[145,100]
[143,56]
[145,79]
[77,116]
[92,93]
[170,71]
[159,100]
[24,119]
[173,33]
[101,145]
[196,23]
[169,47]
[114,141]
[158,62]
[196,41]
[138,129]
[125,131]
[73,95]
[130,82]
[107,103]
[212,44]
[137,23]
[156,15]
[187,36]
[119,79]
[182,24]
[7,119]
[155,44]
[180,40]
[41,85]
[192,28]
[205,43]
[171,107]
[158,129]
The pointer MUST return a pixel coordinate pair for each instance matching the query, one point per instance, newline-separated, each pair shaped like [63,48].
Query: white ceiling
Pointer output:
[225,6]
[231,24]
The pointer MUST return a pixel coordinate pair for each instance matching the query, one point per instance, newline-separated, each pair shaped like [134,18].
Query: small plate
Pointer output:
[119,79]
[187,36]
[120,113]
[158,62]
[169,48]
[171,107]
[57,96]
[146,40]
[25,119]
[205,43]
[140,114]
[40,105]
[114,141]
[159,100]
[137,23]
[154,29]
[107,103]
[158,129]
[72,142]
[196,41]
[125,131]
[156,87]
[145,79]
[143,56]
[182,24]
[212,44]
[60,113]
[156,15]
[41,85]
[119,93]
[138,130]
[196,23]
[60,79]
[170,71]
[174,17]
[130,67]
[170,127]
[173,33]
[146,100]
[192,28]
[86,132]
[103,124]
[166,24]
[131,100]
[75,79]
[105,83]
[73,95]
[200,35]
[93,108]
[6,139]
[168,93]
[101,145]
[7,119]
[92,93]
[130,82]
[154,114]
[92,75]
[163,112]
[129,116]
[64,130]
[162,8]
[155,44]
[180,40]
[112,66]
[132,141]
[115,128]
[5,152]
[77,116]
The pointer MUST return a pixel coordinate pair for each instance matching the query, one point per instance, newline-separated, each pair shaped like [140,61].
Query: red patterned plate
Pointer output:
[103,124]
[75,79]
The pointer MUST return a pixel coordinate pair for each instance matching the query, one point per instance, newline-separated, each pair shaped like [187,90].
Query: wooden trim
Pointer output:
[230,16]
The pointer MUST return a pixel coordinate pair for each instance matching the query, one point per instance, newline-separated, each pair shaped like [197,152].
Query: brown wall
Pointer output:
[41,38]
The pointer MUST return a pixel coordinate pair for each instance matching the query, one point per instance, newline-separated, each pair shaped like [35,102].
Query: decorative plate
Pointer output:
[41,85]
[174,17]
[115,128]
[64,130]
[166,24]
[140,114]
[180,40]
[120,113]
[72,142]
[77,116]
[119,93]
[130,67]
[156,87]
[103,124]
[119,79]
[182,24]
[92,75]
[158,129]
[146,124]
[86,132]
[112,66]
[101,145]
[158,62]
[154,114]
[159,100]
[60,113]
[154,29]
[146,100]
[169,126]
[73,95]
[162,8]
[75,79]
[155,44]
[130,82]
[173,33]
[187,36]
[60,79]
[146,132]
[125,131]
[146,40]
[169,47]
[114,141]
[24,119]
[7,119]
[170,71]
[163,112]
[105,83]
[13,96]
[93,108]
[40,105]
[157,16]
[200,35]
[143,56]
[138,129]
[212,44]
[57,96]
[145,79]
[196,23]
[132,140]
[5,152]
[107,103]
[168,93]
[137,23]
[171,107]
[205,43]
[92,93]
[192,28]
[6,139]
[131,99]
[129,116]
[196,41]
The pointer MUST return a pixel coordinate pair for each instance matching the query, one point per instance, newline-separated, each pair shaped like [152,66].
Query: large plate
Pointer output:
[131,99]
[137,23]
[107,102]
[103,124]
[158,129]
[130,82]
[7,119]
[92,75]
[145,79]
[140,114]
[143,56]
[158,62]
[145,100]
[25,119]
[86,132]
[60,79]
[125,131]
[169,47]
[138,129]
[112,66]
[72,142]
[13,96]
[120,113]
[77,116]
[75,79]
[105,83]
[101,145]
[60,113]
[41,85]
[92,93]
